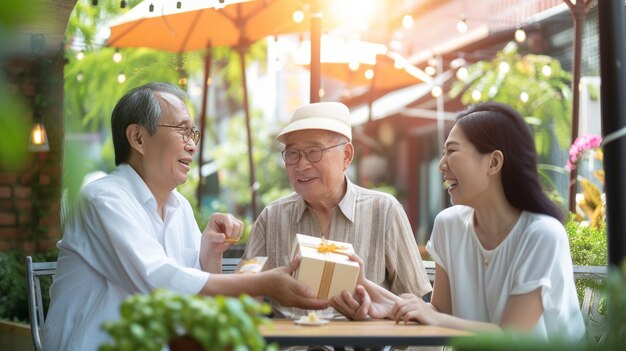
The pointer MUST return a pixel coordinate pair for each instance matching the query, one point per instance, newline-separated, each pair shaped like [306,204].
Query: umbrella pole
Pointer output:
[612,91]
[316,34]
[579,10]
[205,92]
[241,50]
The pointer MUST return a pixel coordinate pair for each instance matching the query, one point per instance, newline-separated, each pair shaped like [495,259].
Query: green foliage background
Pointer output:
[548,108]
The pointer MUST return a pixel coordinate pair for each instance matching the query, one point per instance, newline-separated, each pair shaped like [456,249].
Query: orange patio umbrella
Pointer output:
[366,64]
[194,25]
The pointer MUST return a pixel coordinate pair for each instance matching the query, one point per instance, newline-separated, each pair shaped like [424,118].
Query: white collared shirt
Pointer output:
[114,245]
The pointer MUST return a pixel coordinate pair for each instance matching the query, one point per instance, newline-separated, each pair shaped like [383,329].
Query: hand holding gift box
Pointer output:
[324,266]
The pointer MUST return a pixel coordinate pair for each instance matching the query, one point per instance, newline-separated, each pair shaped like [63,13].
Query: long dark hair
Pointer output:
[494,126]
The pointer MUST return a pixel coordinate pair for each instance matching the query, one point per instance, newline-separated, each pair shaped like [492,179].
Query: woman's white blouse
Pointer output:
[535,254]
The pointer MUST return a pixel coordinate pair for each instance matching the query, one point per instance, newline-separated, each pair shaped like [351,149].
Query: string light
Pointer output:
[430,70]
[121,78]
[151,8]
[520,35]
[80,76]
[462,73]
[369,74]
[117,56]
[123,4]
[321,93]
[546,70]
[436,91]
[80,55]
[407,22]
[504,67]
[298,16]
[178,5]
[476,95]
[523,96]
[353,65]
[461,25]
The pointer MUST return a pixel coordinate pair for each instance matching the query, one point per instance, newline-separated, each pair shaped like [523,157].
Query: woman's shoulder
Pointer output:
[543,228]
[454,213]
[537,222]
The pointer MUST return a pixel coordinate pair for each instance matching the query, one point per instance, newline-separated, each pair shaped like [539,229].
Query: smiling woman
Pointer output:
[503,231]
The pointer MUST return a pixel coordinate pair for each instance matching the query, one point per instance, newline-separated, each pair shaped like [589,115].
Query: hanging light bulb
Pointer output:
[504,67]
[123,4]
[121,78]
[476,95]
[520,35]
[151,8]
[80,55]
[407,22]
[546,70]
[298,16]
[117,56]
[178,5]
[462,73]
[461,25]
[353,65]
[80,76]
[436,91]
[38,140]
[523,96]
[369,74]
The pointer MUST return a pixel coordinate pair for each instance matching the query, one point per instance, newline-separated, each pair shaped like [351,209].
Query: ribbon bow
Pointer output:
[325,247]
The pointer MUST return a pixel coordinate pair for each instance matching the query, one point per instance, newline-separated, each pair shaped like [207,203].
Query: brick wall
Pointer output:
[30,193]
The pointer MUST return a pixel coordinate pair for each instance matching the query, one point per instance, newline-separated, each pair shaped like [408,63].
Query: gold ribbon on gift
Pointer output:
[329,265]
[325,247]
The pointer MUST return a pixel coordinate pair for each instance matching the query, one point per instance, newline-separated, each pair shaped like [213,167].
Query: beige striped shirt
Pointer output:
[373,222]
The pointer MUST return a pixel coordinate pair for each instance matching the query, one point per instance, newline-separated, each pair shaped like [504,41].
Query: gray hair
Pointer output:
[141,106]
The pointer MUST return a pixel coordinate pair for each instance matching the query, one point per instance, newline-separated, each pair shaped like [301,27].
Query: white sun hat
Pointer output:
[332,116]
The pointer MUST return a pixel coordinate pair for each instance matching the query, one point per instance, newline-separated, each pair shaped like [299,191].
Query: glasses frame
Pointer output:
[306,153]
[189,133]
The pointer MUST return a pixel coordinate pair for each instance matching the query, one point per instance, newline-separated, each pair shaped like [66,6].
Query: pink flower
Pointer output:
[581,145]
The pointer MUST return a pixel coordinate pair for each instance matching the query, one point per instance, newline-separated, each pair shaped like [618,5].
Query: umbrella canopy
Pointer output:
[361,63]
[160,24]
[198,24]
[367,65]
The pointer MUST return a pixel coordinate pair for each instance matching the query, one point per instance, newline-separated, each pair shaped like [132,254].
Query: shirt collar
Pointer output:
[141,188]
[347,205]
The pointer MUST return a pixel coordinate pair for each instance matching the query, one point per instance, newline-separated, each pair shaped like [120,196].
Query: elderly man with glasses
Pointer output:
[132,232]
[318,151]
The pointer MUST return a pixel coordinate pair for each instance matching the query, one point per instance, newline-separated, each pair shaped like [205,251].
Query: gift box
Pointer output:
[253,265]
[324,266]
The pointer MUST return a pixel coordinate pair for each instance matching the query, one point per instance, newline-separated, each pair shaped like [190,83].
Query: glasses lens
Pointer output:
[291,157]
[195,135]
[313,153]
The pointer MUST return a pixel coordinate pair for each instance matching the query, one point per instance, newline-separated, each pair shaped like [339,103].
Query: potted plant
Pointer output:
[187,322]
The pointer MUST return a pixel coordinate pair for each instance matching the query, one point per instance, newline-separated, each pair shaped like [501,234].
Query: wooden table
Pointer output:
[375,333]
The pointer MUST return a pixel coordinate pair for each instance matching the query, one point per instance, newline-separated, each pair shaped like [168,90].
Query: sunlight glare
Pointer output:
[354,13]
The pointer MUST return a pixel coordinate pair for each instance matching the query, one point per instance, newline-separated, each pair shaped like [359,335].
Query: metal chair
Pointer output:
[34,271]
[229,264]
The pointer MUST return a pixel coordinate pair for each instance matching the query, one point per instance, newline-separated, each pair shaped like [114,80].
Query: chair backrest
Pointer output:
[34,271]
[595,321]
[229,264]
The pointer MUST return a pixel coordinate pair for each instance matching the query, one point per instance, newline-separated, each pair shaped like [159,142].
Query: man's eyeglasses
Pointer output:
[312,153]
[188,132]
